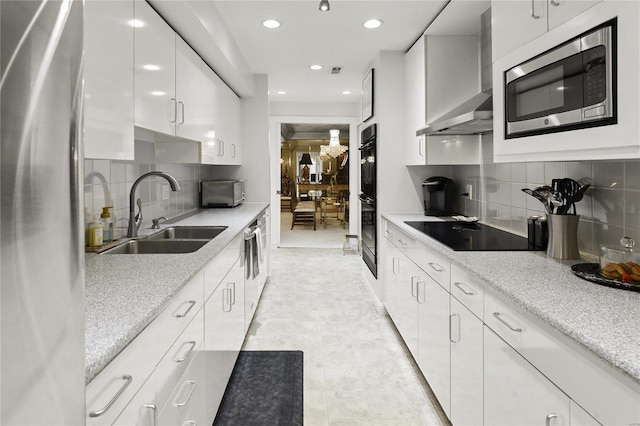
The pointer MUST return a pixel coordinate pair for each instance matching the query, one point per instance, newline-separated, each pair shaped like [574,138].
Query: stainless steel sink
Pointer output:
[188,233]
[166,246]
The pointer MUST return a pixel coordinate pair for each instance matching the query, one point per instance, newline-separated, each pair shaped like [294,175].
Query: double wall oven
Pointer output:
[367,196]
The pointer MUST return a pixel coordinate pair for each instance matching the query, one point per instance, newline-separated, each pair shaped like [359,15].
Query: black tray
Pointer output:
[591,272]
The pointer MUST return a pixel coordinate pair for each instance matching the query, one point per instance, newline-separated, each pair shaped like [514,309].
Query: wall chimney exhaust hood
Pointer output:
[474,116]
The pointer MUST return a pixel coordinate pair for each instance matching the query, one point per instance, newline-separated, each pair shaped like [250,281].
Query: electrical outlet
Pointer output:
[470,191]
[165,192]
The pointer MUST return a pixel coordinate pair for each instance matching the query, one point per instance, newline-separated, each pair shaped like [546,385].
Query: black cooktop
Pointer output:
[463,236]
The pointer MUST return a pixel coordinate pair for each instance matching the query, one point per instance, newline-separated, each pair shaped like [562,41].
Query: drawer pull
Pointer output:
[462,288]
[389,232]
[436,267]
[457,340]
[192,383]
[421,286]
[178,358]
[512,328]
[127,381]
[533,12]
[403,243]
[152,407]
[550,417]
[191,304]
[414,289]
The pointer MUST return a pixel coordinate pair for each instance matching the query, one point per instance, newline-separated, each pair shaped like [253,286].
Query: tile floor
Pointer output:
[356,370]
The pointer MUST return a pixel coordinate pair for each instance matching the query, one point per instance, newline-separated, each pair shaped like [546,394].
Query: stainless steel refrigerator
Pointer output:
[41,234]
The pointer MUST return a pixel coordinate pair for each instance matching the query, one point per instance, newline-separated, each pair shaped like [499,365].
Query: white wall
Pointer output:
[316,109]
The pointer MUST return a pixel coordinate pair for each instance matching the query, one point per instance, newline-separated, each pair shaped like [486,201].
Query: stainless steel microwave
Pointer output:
[569,87]
[222,193]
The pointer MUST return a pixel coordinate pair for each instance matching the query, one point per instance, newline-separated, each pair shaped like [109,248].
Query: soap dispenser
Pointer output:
[95,232]
[107,225]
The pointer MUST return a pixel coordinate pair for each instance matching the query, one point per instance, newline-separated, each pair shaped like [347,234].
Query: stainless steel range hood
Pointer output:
[474,116]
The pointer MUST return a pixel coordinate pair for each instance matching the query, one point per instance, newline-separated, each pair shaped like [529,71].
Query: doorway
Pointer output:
[308,177]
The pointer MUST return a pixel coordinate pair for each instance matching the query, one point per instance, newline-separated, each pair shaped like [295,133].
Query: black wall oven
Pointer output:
[367,196]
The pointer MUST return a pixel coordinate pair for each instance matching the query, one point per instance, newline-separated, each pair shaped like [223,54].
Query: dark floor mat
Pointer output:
[265,389]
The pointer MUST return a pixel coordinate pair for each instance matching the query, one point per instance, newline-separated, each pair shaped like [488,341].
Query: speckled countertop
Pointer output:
[124,293]
[604,320]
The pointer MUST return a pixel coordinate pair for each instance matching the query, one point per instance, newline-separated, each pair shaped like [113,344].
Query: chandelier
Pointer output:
[334,148]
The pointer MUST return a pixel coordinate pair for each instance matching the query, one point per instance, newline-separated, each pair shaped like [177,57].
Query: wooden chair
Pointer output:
[302,212]
[285,194]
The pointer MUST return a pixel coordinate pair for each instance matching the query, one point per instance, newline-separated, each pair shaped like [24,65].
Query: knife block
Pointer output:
[563,236]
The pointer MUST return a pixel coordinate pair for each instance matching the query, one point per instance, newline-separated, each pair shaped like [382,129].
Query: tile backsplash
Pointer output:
[609,210]
[108,183]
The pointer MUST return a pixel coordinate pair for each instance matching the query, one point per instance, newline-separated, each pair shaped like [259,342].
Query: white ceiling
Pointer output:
[335,38]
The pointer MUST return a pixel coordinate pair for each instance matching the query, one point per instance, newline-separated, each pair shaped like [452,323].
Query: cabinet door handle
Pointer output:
[451,339]
[178,357]
[127,381]
[396,265]
[554,3]
[181,112]
[403,243]
[533,12]
[191,383]
[234,150]
[232,289]
[226,299]
[389,232]
[221,148]
[512,328]
[153,408]
[465,291]
[173,110]
[191,304]
[550,417]
[436,267]
[421,146]
[414,287]
[421,285]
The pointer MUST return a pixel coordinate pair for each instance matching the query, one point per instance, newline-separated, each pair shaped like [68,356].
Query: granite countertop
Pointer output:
[604,320]
[124,293]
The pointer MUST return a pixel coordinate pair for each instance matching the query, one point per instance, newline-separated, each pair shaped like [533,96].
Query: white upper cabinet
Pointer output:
[433,87]
[515,23]
[155,72]
[108,80]
[189,122]
[221,143]
[615,141]
[415,90]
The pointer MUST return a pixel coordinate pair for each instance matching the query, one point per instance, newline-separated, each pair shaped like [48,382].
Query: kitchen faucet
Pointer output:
[136,220]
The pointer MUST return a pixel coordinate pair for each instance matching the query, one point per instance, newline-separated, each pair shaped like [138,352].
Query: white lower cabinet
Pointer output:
[401,291]
[224,334]
[487,360]
[515,393]
[434,338]
[186,405]
[466,366]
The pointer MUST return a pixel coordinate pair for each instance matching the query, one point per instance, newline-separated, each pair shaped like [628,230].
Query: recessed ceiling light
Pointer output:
[316,67]
[158,93]
[346,92]
[271,23]
[136,23]
[373,23]
[151,67]
[281,92]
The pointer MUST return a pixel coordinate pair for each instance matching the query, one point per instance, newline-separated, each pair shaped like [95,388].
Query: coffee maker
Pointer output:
[439,196]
